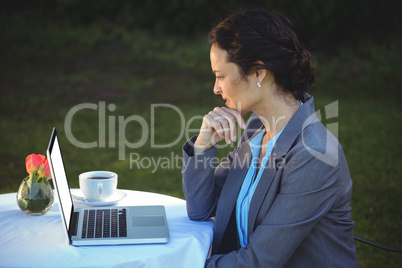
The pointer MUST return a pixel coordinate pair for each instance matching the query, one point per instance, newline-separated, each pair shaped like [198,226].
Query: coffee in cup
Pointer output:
[98,185]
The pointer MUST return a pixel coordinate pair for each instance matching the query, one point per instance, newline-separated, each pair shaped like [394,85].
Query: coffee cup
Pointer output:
[98,185]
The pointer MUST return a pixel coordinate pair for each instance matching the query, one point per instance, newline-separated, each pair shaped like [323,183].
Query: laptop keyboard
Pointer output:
[104,223]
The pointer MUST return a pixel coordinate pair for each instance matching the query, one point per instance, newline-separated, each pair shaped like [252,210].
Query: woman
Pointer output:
[282,197]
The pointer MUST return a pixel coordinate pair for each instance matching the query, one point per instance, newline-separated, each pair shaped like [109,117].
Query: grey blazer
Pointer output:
[299,214]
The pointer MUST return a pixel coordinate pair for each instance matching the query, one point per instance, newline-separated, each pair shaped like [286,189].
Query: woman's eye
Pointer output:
[219,77]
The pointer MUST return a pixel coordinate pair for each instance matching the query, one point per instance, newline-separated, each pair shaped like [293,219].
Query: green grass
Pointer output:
[47,70]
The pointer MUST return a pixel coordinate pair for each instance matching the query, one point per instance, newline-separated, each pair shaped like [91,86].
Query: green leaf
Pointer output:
[32,186]
[34,190]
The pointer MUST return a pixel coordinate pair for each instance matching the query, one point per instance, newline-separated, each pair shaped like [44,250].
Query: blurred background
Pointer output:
[128,56]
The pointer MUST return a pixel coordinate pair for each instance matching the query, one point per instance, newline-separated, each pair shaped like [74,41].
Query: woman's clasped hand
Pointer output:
[219,124]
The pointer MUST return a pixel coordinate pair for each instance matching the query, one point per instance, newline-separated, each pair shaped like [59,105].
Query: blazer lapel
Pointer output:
[282,146]
[242,159]
[234,181]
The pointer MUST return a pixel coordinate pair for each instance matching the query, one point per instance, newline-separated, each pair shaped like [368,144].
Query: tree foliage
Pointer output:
[318,23]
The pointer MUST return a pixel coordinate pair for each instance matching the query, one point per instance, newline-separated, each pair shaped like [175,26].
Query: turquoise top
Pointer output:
[251,181]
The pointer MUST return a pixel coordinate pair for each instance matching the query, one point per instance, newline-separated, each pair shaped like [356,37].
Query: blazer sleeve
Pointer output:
[308,190]
[203,180]
[203,177]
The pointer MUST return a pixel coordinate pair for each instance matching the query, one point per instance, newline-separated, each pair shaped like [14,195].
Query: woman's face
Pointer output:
[235,90]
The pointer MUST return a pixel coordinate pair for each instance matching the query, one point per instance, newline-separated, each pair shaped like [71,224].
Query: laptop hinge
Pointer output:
[74,224]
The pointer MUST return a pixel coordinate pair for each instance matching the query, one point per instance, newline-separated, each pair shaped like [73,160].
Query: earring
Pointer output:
[258,84]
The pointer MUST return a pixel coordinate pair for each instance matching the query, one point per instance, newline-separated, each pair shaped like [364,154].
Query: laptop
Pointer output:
[107,225]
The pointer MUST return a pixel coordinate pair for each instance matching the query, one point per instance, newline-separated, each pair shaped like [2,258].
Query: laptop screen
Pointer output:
[59,178]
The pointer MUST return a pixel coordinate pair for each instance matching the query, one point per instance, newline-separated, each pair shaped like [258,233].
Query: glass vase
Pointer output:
[35,197]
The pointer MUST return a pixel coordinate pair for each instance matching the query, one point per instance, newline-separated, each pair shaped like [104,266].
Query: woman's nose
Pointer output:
[217,89]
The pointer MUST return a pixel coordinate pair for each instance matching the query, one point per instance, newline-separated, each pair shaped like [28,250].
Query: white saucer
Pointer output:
[79,198]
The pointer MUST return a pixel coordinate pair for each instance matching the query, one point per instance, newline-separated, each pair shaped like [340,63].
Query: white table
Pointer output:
[40,241]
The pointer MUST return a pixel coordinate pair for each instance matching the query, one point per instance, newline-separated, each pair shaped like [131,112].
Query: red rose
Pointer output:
[46,171]
[33,162]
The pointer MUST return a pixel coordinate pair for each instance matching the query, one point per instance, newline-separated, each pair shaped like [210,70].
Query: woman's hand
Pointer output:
[217,125]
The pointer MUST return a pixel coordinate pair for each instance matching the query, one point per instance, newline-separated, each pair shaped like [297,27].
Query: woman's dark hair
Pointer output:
[261,35]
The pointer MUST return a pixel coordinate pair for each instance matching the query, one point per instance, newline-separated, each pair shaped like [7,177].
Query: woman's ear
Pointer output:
[260,73]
